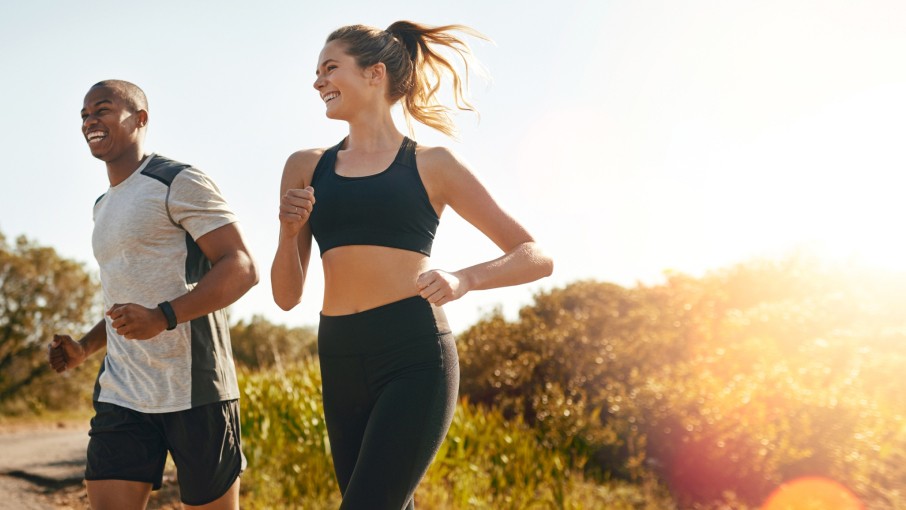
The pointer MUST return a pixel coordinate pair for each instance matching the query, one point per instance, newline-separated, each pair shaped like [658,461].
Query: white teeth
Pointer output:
[332,95]
[95,136]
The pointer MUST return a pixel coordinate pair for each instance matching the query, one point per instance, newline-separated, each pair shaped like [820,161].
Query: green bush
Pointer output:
[486,461]
[566,367]
[718,388]
[285,440]
[723,386]
[42,294]
[260,344]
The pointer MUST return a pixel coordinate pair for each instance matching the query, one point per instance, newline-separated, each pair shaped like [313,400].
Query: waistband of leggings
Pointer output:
[377,328]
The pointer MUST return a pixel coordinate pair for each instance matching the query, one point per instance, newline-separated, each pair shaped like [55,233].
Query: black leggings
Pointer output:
[390,378]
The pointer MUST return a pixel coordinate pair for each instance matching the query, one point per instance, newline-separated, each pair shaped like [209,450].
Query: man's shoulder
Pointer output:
[164,169]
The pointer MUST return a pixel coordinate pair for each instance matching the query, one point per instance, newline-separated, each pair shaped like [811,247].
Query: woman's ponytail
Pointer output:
[415,67]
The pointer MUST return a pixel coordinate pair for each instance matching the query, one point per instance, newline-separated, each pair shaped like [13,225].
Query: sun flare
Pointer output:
[812,494]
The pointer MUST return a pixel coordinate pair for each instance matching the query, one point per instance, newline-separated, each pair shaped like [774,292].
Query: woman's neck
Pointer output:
[373,135]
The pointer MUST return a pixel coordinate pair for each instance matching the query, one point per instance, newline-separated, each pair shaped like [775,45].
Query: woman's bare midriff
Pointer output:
[359,277]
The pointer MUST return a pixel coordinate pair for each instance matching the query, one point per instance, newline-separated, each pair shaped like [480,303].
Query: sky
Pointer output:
[631,138]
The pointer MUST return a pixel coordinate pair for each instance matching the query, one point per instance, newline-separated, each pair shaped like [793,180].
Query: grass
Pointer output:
[485,462]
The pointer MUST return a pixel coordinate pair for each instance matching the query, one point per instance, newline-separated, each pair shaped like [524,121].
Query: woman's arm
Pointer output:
[290,264]
[450,182]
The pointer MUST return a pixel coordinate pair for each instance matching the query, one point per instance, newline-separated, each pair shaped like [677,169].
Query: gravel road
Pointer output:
[42,468]
[36,463]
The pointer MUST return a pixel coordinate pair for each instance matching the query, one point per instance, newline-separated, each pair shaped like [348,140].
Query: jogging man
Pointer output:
[171,259]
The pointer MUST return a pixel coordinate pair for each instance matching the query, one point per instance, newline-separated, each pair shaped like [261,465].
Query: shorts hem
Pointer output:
[215,498]
[167,409]
[100,478]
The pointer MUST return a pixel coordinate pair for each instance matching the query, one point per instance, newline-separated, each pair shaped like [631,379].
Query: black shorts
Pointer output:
[204,442]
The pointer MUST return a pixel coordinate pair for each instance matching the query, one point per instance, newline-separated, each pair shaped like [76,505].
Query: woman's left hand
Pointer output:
[440,287]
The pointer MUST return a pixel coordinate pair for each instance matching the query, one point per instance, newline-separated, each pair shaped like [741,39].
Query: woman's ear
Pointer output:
[376,73]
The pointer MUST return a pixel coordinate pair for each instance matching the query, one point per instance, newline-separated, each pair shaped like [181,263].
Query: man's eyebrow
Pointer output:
[99,103]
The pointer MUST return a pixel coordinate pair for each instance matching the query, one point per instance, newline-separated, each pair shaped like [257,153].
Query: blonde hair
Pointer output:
[414,66]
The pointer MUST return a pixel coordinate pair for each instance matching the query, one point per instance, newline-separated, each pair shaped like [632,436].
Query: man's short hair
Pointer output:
[131,93]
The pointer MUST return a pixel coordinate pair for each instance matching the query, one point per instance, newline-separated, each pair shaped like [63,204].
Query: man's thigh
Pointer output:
[125,445]
[206,447]
[118,494]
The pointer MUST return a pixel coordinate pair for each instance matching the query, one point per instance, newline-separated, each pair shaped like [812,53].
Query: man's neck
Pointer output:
[122,167]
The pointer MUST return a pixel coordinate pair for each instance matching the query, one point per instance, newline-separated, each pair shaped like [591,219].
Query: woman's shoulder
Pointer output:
[300,166]
[305,158]
[443,173]
[438,159]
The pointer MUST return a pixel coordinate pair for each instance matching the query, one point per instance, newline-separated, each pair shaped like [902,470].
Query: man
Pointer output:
[171,258]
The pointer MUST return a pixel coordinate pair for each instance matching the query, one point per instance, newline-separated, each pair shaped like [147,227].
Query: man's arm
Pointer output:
[233,273]
[64,353]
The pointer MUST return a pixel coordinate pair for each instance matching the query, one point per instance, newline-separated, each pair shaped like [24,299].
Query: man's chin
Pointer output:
[99,154]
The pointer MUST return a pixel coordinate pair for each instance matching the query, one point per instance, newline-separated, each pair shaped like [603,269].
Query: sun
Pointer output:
[812,494]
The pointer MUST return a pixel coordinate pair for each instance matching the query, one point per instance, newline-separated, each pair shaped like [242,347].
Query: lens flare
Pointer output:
[812,494]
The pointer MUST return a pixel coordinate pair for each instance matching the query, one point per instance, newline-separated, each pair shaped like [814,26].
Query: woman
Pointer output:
[388,360]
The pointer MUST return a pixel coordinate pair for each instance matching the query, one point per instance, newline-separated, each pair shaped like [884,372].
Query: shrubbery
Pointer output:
[735,382]
[262,345]
[486,461]
[41,294]
[285,440]
[718,388]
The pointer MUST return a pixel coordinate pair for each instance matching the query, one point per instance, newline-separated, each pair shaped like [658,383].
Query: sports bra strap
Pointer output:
[406,156]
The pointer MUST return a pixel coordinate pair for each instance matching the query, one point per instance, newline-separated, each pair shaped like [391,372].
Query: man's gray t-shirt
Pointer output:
[144,241]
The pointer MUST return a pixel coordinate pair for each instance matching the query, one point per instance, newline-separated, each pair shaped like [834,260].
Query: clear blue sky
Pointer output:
[629,137]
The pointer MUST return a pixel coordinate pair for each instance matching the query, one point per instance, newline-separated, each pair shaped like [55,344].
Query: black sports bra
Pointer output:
[390,208]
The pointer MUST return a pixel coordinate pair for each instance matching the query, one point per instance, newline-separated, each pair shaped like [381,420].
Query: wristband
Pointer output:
[169,314]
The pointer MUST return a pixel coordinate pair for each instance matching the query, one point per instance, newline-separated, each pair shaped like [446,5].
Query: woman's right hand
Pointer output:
[295,209]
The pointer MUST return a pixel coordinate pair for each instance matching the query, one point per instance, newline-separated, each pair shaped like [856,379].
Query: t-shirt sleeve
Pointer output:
[195,203]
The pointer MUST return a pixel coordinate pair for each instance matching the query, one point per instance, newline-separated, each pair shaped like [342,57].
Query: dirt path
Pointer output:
[42,468]
[38,462]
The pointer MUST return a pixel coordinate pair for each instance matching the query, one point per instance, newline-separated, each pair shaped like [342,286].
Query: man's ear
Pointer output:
[142,119]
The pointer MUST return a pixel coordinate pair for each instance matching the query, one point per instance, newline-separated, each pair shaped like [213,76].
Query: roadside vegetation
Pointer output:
[699,392]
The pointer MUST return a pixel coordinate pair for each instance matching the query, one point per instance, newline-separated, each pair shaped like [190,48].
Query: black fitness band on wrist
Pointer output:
[169,314]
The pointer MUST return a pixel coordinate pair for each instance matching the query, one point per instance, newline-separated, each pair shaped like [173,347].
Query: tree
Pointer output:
[262,345]
[733,382]
[569,366]
[41,293]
